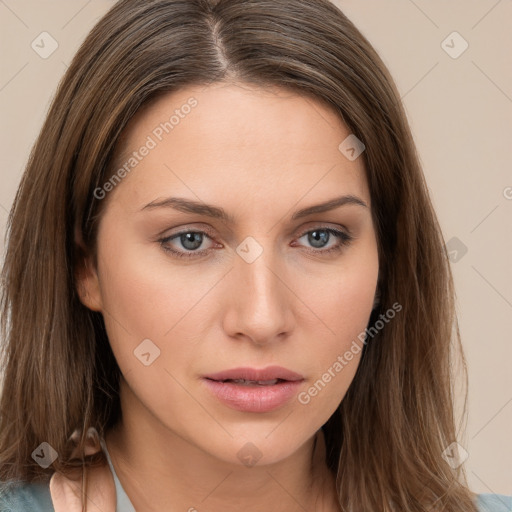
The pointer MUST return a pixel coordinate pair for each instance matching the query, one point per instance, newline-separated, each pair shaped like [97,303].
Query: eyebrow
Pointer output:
[190,206]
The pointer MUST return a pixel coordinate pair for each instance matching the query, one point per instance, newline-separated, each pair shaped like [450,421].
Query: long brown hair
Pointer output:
[385,441]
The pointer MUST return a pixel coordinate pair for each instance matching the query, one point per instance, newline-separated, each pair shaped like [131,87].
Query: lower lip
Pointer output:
[253,398]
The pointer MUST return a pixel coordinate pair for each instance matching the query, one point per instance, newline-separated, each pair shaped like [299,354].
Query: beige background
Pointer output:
[460,111]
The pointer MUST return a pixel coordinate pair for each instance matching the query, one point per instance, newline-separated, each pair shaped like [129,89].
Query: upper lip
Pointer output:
[269,373]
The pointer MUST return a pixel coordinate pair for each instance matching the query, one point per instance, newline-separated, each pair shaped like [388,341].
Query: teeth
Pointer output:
[252,382]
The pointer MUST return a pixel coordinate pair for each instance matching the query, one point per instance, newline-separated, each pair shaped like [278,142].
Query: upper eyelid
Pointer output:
[314,225]
[203,227]
[302,232]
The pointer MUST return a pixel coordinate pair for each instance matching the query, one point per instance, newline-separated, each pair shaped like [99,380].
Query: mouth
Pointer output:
[266,376]
[244,382]
[251,390]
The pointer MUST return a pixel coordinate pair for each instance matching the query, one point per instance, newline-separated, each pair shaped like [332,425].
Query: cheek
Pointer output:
[147,298]
[340,306]
[145,312]
[338,342]
[341,298]
[133,306]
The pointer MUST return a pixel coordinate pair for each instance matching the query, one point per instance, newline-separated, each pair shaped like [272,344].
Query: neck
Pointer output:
[157,469]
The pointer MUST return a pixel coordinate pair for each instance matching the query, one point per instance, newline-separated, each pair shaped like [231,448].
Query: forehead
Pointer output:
[225,139]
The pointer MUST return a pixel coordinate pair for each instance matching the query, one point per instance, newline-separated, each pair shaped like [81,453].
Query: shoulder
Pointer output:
[494,503]
[23,497]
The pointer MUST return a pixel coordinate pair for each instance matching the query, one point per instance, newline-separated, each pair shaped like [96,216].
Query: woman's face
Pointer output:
[208,260]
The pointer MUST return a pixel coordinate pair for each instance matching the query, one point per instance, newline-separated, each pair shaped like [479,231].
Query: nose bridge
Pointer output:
[260,282]
[260,302]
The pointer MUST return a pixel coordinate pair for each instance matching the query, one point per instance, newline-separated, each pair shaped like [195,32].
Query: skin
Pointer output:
[260,154]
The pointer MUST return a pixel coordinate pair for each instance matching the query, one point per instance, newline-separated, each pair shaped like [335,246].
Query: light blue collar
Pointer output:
[123,503]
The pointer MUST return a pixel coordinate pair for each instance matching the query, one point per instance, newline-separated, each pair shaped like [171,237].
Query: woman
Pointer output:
[218,284]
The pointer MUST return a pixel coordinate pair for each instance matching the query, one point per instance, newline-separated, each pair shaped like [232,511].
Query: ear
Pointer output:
[86,278]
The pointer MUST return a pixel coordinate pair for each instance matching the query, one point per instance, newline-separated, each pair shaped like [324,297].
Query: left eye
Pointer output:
[192,240]
[319,237]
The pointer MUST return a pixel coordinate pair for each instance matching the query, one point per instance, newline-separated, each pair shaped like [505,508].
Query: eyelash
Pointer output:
[345,240]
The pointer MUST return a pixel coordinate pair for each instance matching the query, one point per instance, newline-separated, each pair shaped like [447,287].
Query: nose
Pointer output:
[259,306]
